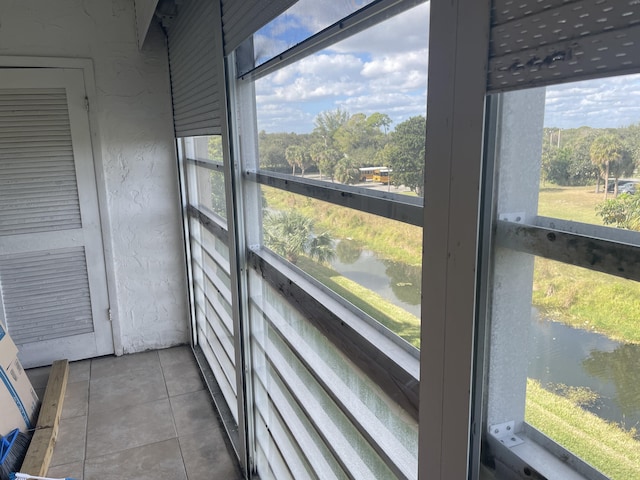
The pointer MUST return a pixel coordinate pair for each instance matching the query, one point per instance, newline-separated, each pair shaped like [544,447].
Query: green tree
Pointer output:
[359,138]
[622,211]
[272,148]
[327,124]
[604,151]
[215,148]
[406,152]
[347,171]
[325,158]
[556,164]
[379,120]
[298,156]
[631,138]
[218,199]
[290,235]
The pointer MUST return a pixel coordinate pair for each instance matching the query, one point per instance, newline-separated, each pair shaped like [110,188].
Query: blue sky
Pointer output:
[605,102]
[369,72]
[384,69]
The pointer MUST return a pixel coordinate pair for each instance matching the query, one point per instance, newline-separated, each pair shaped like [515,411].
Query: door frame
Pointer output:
[86,66]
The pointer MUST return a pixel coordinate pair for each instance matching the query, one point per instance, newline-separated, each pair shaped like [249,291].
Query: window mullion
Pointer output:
[453,174]
[606,256]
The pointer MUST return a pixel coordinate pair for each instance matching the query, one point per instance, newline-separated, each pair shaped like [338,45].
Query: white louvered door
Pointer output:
[52,273]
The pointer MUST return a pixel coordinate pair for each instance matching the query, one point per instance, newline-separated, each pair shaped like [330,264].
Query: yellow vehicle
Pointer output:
[382,175]
[366,173]
[375,174]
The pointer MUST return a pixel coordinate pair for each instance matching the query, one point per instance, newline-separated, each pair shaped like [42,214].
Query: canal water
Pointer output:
[561,355]
[558,354]
[396,282]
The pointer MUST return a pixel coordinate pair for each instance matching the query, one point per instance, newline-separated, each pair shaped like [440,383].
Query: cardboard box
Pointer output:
[18,401]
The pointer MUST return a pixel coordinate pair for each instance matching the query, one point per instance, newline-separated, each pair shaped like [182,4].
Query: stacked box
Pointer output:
[18,401]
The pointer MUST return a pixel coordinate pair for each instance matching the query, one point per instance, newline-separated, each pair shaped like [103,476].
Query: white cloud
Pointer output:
[313,78]
[600,103]
[407,71]
[383,69]
[398,106]
[406,32]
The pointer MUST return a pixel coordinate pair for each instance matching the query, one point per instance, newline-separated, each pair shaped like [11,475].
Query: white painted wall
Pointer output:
[144,16]
[136,164]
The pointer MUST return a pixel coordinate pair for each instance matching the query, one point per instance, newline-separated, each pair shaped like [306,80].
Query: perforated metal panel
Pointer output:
[46,294]
[541,42]
[240,19]
[38,189]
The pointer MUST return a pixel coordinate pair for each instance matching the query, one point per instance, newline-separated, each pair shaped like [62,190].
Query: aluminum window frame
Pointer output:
[397,207]
[608,250]
[349,329]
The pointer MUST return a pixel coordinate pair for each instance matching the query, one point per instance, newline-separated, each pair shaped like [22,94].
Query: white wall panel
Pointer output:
[130,110]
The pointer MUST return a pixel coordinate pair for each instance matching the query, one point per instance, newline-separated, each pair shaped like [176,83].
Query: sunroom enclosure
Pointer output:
[313,349]
[355,212]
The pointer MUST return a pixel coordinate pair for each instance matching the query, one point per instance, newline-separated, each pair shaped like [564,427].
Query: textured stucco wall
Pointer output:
[132,119]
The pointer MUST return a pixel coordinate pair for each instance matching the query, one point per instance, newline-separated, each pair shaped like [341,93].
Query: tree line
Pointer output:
[341,143]
[585,155]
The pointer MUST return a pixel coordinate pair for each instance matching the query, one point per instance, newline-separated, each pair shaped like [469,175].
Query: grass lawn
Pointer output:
[605,446]
[588,300]
[390,239]
[396,319]
[578,297]
[570,203]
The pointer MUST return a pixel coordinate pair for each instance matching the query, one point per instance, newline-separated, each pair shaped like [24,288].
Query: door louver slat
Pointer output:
[36,163]
[46,294]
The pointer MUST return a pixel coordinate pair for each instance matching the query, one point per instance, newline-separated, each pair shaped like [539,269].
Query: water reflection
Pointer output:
[396,282]
[561,355]
[405,281]
[622,367]
[348,251]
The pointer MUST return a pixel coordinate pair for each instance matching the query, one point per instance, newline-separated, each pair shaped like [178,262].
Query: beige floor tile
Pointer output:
[130,433]
[194,412]
[158,461]
[119,429]
[205,449]
[70,442]
[173,355]
[138,385]
[70,470]
[79,371]
[183,377]
[76,399]
[108,366]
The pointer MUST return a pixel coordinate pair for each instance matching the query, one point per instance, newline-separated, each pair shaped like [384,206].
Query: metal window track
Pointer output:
[603,255]
[208,164]
[208,220]
[364,18]
[394,206]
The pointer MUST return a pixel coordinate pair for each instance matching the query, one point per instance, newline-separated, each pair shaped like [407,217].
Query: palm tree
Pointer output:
[293,154]
[321,248]
[297,155]
[325,158]
[290,235]
[605,150]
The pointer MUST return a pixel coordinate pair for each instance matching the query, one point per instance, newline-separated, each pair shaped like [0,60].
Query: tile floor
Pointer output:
[141,416]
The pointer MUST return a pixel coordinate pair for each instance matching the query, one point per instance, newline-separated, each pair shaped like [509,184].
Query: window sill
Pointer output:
[538,457]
